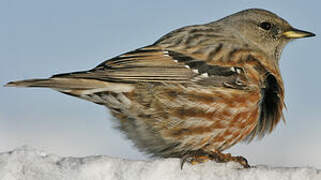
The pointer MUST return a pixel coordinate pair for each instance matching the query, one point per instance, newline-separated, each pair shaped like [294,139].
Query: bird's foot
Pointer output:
[197,157]
[223,158]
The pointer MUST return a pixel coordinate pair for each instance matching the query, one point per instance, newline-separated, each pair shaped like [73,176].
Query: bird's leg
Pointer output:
[197,157]
[222,158]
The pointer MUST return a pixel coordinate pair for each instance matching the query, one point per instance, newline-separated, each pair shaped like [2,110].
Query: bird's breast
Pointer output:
[215,119]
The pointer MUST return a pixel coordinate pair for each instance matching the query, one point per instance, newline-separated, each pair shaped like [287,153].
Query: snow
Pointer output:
[30,164]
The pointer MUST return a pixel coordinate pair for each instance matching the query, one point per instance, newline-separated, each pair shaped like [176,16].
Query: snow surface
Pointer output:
[29,164]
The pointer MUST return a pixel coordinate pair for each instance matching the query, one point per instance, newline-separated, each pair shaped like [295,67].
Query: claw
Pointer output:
[222,158]
[197,157]
[242,161]
[183,160]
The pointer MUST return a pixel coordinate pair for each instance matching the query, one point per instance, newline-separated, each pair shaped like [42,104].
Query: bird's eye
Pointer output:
[266,25]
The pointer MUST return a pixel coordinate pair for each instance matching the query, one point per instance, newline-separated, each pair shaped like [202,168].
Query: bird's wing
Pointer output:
[153,64]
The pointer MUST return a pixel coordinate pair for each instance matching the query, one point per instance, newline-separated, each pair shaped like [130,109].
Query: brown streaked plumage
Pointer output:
[197,90]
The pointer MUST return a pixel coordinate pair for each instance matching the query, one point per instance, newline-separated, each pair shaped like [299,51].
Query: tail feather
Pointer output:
[70,84]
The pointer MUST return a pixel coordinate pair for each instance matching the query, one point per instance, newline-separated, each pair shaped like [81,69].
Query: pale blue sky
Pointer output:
[41,37]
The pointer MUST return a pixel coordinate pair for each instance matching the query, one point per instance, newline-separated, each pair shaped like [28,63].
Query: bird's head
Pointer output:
[262,29]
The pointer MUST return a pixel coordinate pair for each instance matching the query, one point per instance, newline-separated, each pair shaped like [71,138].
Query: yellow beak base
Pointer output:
[296,33]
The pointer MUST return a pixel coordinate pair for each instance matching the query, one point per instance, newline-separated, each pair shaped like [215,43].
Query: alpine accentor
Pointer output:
[196,91]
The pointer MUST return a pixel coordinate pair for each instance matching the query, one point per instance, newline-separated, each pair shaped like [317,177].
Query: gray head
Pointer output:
[262,29]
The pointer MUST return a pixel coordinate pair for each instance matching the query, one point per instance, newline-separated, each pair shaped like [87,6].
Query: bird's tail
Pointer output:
[60,83]
[79,87]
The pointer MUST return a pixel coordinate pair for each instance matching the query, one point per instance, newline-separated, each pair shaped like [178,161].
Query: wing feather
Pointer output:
[153,64]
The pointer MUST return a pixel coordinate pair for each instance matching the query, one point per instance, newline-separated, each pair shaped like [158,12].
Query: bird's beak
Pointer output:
[296,33]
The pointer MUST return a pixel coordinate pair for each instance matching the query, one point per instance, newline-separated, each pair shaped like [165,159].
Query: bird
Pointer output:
[196,91]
